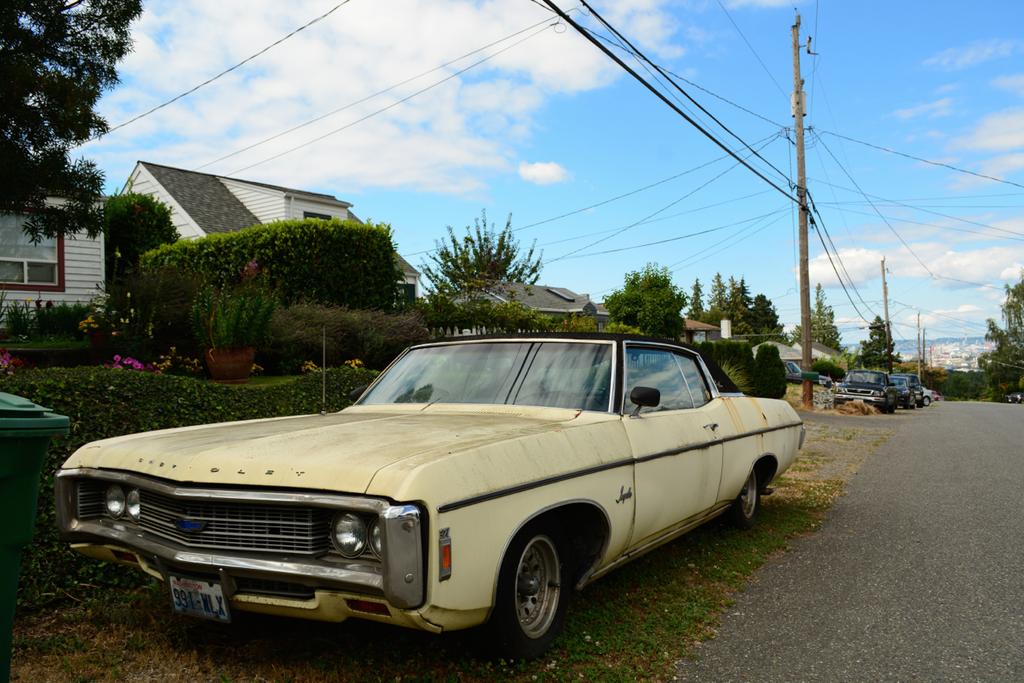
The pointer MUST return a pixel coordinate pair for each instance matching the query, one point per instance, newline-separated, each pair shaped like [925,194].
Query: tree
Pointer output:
[696,301]
[763,317]
[483,260]
[133,224]
[823,323]
[769,372]
[650,301]
[873,351]
[1004,365]
[718,298]
[56,58]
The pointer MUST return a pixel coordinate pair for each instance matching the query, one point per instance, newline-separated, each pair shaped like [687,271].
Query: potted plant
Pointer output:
[229,325]
[99,326]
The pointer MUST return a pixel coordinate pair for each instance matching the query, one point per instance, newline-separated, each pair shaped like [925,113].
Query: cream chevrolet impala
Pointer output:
[474,482]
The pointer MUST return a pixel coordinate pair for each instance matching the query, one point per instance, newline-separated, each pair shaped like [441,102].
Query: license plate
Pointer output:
[199,598]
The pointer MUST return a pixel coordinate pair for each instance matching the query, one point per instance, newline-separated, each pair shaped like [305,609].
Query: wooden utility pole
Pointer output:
[888,326]
[801,193]
[920,346]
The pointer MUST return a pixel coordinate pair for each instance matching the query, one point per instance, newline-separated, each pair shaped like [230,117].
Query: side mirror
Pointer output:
[644,397]
[357,392]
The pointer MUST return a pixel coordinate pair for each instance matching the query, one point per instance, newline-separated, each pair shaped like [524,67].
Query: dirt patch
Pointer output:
[857,408]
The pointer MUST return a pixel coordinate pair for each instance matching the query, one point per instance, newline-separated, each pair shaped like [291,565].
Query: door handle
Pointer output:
[713,426]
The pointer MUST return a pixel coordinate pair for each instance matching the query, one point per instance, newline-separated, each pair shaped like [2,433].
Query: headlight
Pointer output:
[349,535]
[133,503]
[376,539]
[115,501]
[876,392]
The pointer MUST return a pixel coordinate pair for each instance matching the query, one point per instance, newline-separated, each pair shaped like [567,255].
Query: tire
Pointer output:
[926,401]
[534,587]
[744,509]
[912,404]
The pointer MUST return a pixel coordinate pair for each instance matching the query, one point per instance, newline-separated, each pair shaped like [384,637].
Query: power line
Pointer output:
[752,50]
[820,223]
[673,239]
[932,225]
[397,102]
[838,276]
[657,93]
[374,95]
[922,160]
[894,231]
[642,58]
[228,70]
[693,258]
[647,218]
[723,99]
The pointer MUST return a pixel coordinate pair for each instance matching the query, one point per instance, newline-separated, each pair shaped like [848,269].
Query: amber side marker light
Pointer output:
[445,555]
[368,606]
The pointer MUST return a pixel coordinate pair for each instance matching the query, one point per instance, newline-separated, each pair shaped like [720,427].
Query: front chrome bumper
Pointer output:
[398,577]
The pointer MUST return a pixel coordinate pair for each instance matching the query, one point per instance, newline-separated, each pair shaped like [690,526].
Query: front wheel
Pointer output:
[744,509]
[534,585]
[926,401]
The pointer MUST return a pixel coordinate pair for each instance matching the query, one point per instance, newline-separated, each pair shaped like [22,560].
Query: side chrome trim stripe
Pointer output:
[526,486]
[519,488]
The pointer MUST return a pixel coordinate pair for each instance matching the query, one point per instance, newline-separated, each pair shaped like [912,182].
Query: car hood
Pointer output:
[338,452]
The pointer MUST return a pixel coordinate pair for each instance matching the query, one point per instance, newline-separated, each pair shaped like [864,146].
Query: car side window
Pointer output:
[699,392]
[658,369]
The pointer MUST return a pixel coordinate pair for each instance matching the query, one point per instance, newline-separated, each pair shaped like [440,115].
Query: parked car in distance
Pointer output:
[871,386]
[1015,397]
[931,396]
[795,375]
[915,386]
[904,395]
[475,482]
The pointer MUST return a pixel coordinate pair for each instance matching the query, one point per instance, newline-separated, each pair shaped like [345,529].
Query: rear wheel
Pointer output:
[926,401]
[533,592]
[744,509]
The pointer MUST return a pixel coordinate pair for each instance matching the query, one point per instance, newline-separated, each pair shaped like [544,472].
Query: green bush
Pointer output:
[769,377]
[18,319]
[341,263]
[60,320]
[152,312]
[823,366]
[374,337]
[444,316]
[132,225]
[104,403]
[735,353]
[621,328]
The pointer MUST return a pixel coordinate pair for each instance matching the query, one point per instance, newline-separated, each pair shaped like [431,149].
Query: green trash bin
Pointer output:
[25,432]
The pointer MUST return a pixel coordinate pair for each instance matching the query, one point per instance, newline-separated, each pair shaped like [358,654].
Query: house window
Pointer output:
[21,261]
[409,291]
[321,216]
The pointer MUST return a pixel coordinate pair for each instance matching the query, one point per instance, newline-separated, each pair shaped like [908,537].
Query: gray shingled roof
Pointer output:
[204,198]
[406,266]
[545,298]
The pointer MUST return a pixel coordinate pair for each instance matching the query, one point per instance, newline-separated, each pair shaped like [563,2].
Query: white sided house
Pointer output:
[62,269]
[202,204]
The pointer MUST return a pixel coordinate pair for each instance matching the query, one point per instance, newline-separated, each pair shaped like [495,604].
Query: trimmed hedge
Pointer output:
[736,358]
[769,377]
[344,263]
[104,403]
[823,366]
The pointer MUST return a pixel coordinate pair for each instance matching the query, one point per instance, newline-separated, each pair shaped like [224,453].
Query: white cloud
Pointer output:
[998,132]
[736,4]
[999,167]
[1012,273]
[978,52]
[932,110]
[972,265]
[1014,83]
[543,172]
[453,138]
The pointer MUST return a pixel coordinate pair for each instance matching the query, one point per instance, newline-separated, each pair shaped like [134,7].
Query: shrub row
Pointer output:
[824,366]
[763,376]
[104,403]
[443,315]
[374,337]
[345,263]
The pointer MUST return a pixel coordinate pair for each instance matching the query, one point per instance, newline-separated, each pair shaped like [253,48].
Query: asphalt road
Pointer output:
[916,575]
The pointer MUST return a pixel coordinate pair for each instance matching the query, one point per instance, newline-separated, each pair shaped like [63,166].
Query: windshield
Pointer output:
[865,377]
[899,381]
[551,374]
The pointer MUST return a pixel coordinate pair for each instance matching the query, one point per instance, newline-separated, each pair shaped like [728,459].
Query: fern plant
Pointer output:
[735,371]
[232,319]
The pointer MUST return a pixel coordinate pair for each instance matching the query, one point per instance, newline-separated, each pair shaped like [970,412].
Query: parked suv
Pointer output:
[871,386]
[915,386]
[903,392]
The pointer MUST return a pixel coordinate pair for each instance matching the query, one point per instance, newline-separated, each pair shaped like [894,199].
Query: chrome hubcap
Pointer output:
[537,586]
[748,496]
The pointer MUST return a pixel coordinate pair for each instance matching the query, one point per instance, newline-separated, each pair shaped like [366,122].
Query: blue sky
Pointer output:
[550,126]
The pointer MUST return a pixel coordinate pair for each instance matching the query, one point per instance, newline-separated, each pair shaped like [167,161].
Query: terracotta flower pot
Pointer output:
[230,365]
[99,339]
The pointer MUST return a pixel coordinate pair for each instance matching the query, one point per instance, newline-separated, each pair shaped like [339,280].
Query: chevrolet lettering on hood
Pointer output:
[476,483]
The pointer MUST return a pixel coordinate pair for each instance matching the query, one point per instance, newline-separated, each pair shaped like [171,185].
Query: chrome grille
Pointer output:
[858,392]
[225,525]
